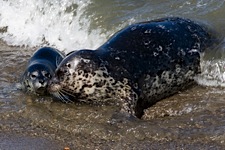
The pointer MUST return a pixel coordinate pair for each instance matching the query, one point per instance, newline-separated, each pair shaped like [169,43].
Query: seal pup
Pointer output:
[138,66]
[40,69]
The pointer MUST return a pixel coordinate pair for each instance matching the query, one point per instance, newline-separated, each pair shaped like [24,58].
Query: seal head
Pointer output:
[36,77]
[40,69]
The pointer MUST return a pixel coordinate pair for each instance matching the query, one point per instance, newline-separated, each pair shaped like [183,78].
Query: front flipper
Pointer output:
[127,111]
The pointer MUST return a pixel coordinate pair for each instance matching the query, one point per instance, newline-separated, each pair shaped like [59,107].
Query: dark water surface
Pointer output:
[191,119]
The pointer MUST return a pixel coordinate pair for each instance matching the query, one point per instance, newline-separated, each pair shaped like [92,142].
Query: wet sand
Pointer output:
[15,141]
[191,119]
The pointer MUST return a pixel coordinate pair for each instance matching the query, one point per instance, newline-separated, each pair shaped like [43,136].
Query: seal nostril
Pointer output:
[41,81]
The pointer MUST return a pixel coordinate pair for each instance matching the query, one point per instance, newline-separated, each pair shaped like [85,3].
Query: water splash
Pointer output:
[61,24]
[213,73]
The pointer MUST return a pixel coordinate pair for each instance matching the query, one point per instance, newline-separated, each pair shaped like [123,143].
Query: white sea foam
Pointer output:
[62,24]
[213,73]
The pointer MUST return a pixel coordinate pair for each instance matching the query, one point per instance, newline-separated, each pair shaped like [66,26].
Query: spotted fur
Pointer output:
[136,67]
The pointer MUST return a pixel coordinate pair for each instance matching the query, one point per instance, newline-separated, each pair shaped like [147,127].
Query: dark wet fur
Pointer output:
[144,54]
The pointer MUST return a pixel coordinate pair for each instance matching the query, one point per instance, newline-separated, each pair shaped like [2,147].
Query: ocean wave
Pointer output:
[61,24]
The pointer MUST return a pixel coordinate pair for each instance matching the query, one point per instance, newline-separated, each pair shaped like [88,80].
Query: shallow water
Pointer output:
[191,119]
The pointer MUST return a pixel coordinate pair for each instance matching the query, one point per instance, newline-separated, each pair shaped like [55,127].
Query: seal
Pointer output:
[40,68]
[138,66]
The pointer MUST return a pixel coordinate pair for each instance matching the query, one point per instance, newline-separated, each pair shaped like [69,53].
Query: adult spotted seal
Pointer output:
[138,66]
[40,69]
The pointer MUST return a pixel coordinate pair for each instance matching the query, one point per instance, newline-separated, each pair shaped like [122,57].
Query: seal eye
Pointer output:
[33,76]
[68,65]
[47,75]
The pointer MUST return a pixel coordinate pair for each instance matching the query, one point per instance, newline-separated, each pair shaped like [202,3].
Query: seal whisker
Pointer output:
[67,93]
[63,97]
[57,95]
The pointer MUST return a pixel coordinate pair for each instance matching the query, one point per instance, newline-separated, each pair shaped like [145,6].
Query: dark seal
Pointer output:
[40,68]
[138,66]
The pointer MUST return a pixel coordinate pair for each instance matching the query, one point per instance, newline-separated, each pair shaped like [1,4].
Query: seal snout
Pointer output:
[54,85]
[39,86]
[41,90]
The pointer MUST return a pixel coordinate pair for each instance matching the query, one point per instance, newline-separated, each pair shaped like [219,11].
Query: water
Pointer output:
[191,119]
